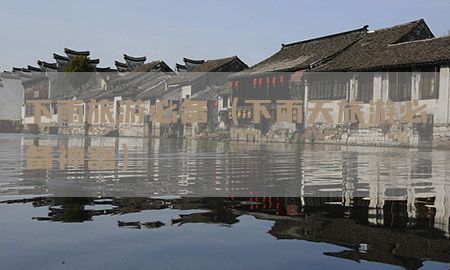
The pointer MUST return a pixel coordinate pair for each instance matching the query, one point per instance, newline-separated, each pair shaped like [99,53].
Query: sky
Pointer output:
[171,30]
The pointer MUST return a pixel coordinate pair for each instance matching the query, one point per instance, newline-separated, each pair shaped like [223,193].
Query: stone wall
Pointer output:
[397,134]
[72,130]
[245,134]
[102,130]
[131,130]
[441,137]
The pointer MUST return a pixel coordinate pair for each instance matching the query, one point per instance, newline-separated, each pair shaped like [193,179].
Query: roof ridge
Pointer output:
[67,50]
[59,56]
[419,40]
[223,58]
[399,25]
[33,68]
[364,28]
[154,61]
[193,61]
[132,58]
[47,63]
[120,65]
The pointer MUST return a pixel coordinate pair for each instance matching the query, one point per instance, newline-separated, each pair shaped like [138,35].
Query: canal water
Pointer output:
[183,204]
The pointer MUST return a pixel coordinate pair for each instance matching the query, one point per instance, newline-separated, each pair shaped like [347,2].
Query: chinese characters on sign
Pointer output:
[94,157]
[196,111]
[293,111]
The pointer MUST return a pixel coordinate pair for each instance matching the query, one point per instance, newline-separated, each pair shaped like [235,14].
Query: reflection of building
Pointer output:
[411,181]
[402,242]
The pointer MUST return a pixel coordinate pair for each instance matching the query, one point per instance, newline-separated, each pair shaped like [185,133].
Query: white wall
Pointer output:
[439,108]
[11,97]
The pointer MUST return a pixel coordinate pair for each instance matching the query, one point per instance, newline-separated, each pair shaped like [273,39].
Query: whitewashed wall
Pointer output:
[11,97]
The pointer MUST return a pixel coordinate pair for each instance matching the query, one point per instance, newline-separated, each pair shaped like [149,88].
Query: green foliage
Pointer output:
[78,71]
[79,64]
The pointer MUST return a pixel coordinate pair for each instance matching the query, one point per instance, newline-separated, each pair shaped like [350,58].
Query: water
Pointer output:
[166,167]
[192,207]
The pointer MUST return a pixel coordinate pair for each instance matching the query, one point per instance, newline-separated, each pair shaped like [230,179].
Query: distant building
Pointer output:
[11,92]
[203,80]
[203,74]
[130,64]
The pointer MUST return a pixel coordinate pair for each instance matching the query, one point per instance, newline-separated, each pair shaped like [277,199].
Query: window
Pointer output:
[365,87]
[400,86]
[429,84]
[327,87]
[340,89]
[29,109]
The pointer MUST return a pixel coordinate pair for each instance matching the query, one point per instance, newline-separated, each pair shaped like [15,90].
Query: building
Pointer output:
[130,64]
[11,91]
[202,80]
[47,82]
[257,82]
[204,73]
[137,85]
[401,64]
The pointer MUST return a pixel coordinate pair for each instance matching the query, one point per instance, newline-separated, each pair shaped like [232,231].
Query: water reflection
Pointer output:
[385,205]
[383,177]
[218,169]
[395,238]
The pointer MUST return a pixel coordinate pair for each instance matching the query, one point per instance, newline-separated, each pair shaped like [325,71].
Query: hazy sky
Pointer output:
[170,30]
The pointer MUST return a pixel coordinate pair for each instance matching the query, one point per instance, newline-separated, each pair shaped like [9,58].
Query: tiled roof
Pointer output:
[403,45]
[134,59]
[301,55]
[73,52]
[154,66]
[212,92]
[214,65]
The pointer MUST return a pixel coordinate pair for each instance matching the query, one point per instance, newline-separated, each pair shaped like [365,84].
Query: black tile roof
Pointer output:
[192,61]
[180,68]
[35,69]
[402,46]
[134,59]
[301,55]
[212,92]
[15,69]
[154,66]
[73,52]
[215,64]
[94,61]
[105,69]
[47,65]
[60,57]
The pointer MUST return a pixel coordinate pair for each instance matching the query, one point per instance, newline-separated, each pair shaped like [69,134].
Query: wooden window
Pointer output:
[328,87]
[340,88]
[429,84]
[365,87]
[400,86]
